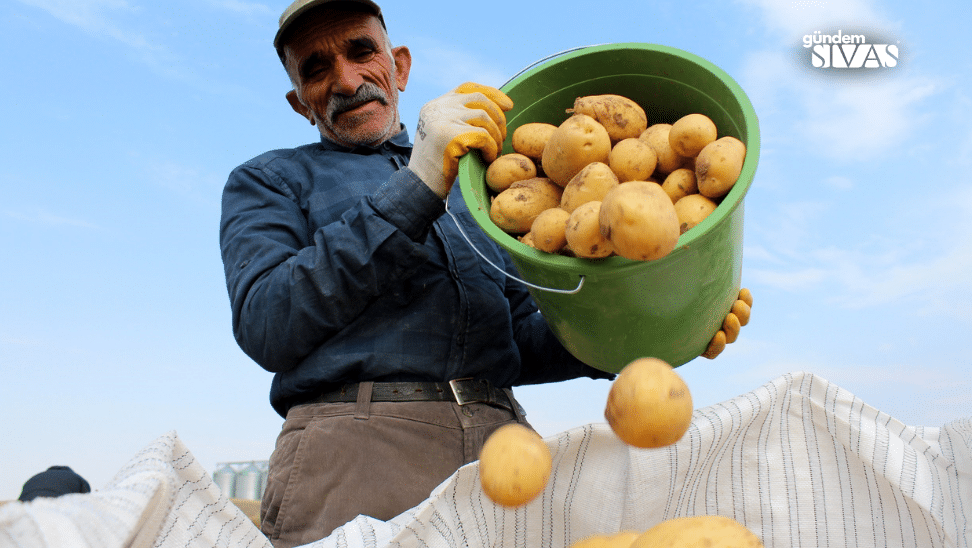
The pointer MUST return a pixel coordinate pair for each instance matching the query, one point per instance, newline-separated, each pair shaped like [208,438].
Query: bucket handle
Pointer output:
[504,272]
[547,58]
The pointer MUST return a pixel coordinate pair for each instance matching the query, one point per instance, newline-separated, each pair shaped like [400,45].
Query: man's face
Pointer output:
[346,77]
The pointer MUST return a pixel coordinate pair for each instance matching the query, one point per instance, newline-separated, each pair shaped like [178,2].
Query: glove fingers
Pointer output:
[461,144]
[497,133]
[742,311]
[746,296]
[495,115]
[716,345]
[731,327]
[501,99]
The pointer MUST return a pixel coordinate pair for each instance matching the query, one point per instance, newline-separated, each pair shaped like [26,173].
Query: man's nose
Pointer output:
[347,78]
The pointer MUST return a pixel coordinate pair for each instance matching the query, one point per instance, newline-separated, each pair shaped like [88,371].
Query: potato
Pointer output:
[649,405]
[514,465]
[632,159]
[621,116]
[584,238]
[529,139]
[690,133]
[578,141]
[692,210]
[718,165]
[639,220]
[590,184]
[549,230]
[550,190]
[621,539]
[668,160]
[704,530]
[527,239]
[507,169]
[515,209]
[680,183]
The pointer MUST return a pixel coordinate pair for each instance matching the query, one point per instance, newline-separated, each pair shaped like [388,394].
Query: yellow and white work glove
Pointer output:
[468,117]
[735,319]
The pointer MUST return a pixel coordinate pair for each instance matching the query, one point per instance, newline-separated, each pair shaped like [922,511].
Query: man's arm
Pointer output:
[290,292]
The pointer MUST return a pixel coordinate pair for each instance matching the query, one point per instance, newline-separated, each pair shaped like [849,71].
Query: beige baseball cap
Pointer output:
[299,7]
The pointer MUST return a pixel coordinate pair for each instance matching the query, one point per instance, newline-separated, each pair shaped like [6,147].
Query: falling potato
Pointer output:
[514,465]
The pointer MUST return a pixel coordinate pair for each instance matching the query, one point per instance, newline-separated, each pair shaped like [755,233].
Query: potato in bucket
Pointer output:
[668,308]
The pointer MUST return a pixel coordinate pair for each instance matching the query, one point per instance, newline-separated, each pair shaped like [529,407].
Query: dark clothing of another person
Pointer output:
[54,482]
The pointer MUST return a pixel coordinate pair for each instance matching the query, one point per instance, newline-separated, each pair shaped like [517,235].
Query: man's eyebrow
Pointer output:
[363,42]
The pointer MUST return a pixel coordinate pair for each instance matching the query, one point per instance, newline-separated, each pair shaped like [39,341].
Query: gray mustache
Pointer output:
[366,92]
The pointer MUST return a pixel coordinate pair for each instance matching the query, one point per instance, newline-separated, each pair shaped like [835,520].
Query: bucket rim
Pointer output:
[615,264]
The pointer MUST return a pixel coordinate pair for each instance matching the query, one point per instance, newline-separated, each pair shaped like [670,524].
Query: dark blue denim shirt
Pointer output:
[341,267]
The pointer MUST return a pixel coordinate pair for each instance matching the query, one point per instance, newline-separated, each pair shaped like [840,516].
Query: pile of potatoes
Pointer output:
[606,183]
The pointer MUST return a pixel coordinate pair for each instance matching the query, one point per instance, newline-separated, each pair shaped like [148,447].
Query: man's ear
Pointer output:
[299,107]
[403,63]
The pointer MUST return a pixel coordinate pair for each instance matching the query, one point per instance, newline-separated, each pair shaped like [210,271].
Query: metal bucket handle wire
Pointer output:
[504,272]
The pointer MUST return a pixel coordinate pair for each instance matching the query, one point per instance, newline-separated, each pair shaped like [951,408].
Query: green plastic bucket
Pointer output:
[669,308]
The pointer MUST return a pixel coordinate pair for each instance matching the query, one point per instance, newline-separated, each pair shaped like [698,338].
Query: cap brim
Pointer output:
[298,8]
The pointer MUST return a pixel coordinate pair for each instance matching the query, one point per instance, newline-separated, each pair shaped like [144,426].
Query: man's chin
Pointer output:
[361,134]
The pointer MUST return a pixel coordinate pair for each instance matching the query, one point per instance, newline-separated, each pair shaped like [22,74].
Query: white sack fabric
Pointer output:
[799,461]
[161,498]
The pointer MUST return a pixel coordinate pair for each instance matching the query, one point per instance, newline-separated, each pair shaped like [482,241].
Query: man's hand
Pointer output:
[469,117]
[737,317]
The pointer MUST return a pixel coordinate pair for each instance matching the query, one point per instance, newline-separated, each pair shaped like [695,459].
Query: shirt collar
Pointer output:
[400,141]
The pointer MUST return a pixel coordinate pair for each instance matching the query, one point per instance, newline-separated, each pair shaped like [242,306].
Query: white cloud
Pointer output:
[182,179]
[116,20]
[848,116]
[864,120]
[839,182]
[925,268]
[245,8]
[448,66]
[895,123]
[934,285]
[793,19]
[843,119]
[46,218]
[795,280]
[96,17]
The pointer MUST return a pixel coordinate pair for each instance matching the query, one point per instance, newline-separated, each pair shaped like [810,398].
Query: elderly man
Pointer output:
[393,345]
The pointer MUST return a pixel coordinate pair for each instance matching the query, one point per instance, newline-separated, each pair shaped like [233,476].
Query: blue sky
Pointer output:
[120,119]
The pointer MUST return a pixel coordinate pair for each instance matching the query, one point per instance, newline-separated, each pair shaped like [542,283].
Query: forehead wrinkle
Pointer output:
[320,30]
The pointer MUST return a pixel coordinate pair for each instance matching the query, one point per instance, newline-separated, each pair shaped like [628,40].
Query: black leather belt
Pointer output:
[461,391]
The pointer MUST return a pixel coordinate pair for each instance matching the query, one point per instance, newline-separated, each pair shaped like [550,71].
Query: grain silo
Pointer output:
[225,479]
[249,483]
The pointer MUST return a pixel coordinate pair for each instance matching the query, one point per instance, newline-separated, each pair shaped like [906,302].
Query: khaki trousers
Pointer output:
[334,461]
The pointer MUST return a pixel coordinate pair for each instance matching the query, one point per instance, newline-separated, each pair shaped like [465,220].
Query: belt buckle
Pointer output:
[463,399]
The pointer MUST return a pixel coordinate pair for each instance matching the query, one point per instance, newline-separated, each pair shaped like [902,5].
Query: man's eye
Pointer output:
[363,55]
[313,70]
